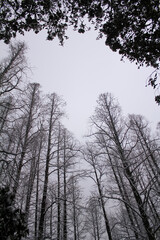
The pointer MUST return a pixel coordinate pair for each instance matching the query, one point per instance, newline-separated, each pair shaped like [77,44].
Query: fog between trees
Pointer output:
[43,165]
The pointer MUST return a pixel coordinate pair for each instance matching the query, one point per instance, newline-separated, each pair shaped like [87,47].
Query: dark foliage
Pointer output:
[157,99]
[131,27]
[12,219]
[153,81]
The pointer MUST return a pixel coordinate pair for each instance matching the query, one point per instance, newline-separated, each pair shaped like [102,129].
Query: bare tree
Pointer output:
[108,122]
[68,161]
[91,155]
[77,211]
[36,152]
[146,166]
[13,68]
[31,109]
[94,219]
[54,114]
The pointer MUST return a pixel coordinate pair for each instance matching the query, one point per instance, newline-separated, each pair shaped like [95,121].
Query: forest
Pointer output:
[43,168]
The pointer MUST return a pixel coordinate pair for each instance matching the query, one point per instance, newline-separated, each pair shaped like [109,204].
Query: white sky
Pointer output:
[83,69]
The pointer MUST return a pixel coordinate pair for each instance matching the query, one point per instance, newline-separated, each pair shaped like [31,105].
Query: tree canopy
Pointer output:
[130,27]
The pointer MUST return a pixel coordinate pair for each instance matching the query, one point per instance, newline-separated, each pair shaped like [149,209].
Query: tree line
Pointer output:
[42,166]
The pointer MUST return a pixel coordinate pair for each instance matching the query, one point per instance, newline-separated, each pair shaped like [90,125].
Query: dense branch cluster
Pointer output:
[131,27]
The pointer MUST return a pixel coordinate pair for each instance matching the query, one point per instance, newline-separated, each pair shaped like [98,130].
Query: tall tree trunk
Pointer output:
[64,192]
[74,210]
[45,187]
[108,229]
[37,197]
[58,188]
[30,187]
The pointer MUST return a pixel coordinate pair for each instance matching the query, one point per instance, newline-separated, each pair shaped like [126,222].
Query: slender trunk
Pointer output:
[65,208]
[30,187]
[51,220]
[64,202]
[74,210]
[12,174]
[94,227]
[37,198]
[108,229]
[43,204]
[97,224]
[58,190]
[45,187]
[64,194]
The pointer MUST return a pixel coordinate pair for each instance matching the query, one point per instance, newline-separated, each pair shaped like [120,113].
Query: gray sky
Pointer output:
[83,69]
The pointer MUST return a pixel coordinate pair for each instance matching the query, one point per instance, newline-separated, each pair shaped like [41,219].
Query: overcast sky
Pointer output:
[82,69]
